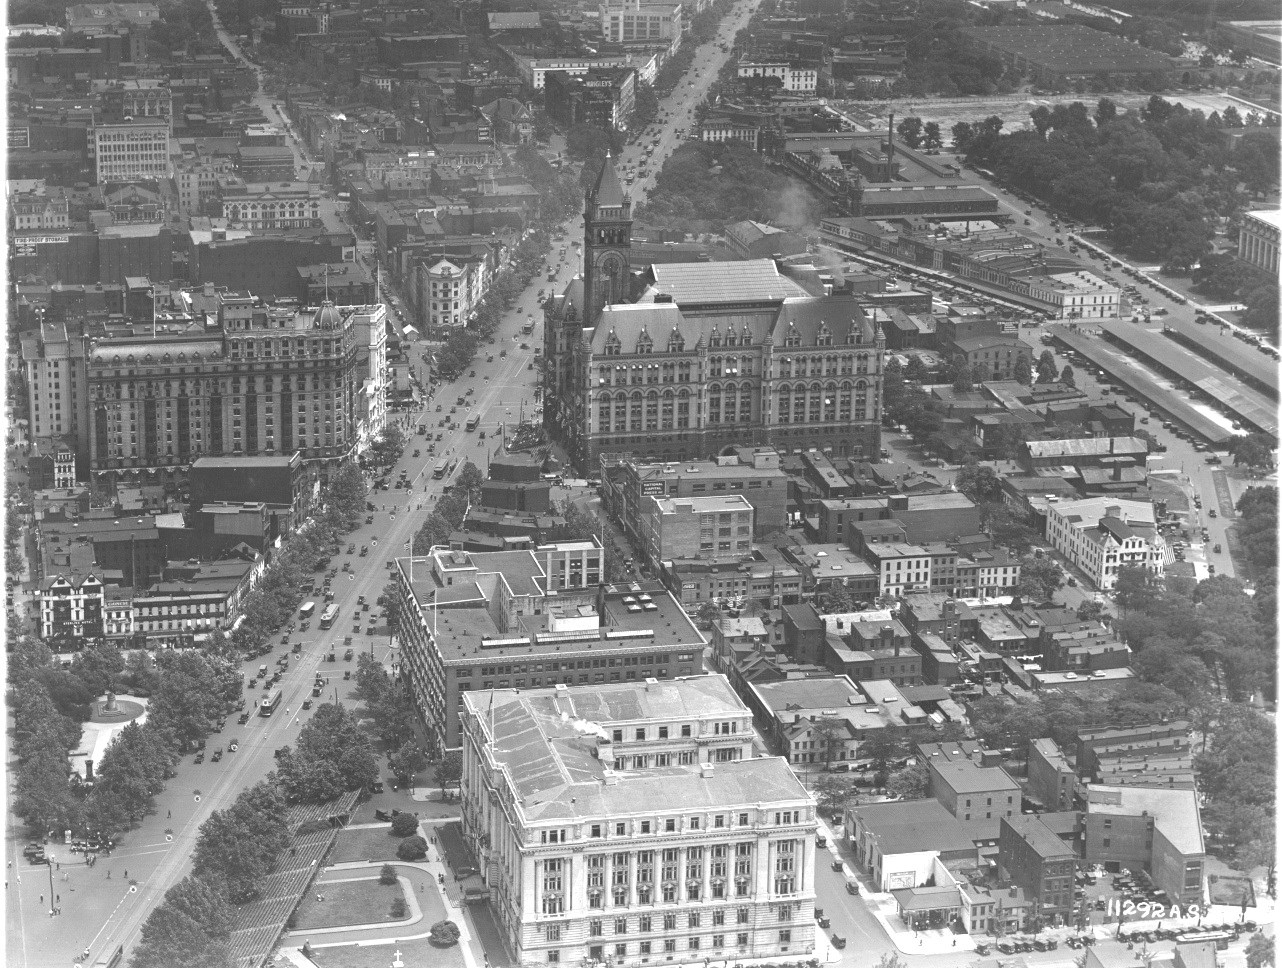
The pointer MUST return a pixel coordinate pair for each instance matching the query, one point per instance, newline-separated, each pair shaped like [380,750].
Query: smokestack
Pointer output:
[890,149]
[888,638]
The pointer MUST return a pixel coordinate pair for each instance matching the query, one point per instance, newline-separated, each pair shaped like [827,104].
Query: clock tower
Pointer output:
[607,237]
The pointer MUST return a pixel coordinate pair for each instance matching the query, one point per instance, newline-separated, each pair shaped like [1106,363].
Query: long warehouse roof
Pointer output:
[1125,373]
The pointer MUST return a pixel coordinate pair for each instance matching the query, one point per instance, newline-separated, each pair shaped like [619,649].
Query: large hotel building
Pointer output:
[256,380]
[630,823]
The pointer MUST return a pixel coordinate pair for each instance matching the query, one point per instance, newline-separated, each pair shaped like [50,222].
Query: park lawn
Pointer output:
[412,953]
[348,903]
[369,844]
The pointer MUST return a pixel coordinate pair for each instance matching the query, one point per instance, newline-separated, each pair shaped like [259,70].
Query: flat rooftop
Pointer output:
[631,618]
[712,504]
[549,744]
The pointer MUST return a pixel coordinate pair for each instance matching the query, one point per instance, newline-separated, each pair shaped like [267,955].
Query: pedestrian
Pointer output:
[108,873]
[42,899]
[126,875]
[58,898]
[58,865]
[169,814]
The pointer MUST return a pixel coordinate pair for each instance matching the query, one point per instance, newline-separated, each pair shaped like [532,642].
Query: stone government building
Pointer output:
[685,360]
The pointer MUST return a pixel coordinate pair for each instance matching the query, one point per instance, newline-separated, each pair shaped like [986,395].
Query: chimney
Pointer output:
[1014,892]
[888,638]
[1113,511]
[1017,604]
[705,770]
[1117,472]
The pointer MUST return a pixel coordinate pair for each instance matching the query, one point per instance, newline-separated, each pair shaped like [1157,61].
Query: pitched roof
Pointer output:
[750,280]
[607,192]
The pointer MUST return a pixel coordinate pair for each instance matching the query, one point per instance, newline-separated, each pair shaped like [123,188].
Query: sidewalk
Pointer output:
[429,871]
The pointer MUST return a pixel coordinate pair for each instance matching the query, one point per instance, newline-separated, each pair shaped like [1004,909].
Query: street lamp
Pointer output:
[49,859]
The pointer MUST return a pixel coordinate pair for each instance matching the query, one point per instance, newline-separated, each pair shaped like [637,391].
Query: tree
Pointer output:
[1253,450]
[1067,377]
[190,927]
[449,772]
[239,845]
[99,667]
[932,139]
[412,848]
[833,791]
[1041,116]
[831,732]
[915,371]
[407,761]
[1023,371]
[1046,371]
[979,482]
[1105,112]
[1040,579]
[1090,611]
[387,873]
[588,143]
[1261,952]
[388,445]
[346,492]
[647,105]
[404,825]
[910,783]
[469,480]
[910,132]
[963,379]
[332,755]
[709,614]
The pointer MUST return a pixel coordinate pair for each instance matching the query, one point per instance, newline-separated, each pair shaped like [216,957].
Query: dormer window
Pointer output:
[644,343]
[793,338]
[613,346]
[714,338]
[825,335]
[676,343]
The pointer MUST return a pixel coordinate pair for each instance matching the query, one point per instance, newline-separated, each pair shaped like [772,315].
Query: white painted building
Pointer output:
[793,78]
[1077,295]
[630,823]
[1101,535]
[131,151]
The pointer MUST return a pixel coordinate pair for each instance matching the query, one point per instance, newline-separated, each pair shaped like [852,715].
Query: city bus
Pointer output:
[473,422]
[328,616]
[439,470]
[307,609]
[268,705]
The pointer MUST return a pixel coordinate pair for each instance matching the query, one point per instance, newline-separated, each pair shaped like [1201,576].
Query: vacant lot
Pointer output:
[374,844]
[350,902]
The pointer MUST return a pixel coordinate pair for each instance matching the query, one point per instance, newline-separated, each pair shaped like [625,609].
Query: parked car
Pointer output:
[218,755]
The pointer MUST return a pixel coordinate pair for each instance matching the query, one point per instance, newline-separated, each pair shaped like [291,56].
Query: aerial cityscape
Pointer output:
[626,483]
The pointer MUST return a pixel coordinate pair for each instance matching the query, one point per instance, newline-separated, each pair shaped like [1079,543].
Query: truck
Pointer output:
[307,610]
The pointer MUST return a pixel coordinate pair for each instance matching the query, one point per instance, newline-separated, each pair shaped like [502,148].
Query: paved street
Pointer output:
[680,104]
